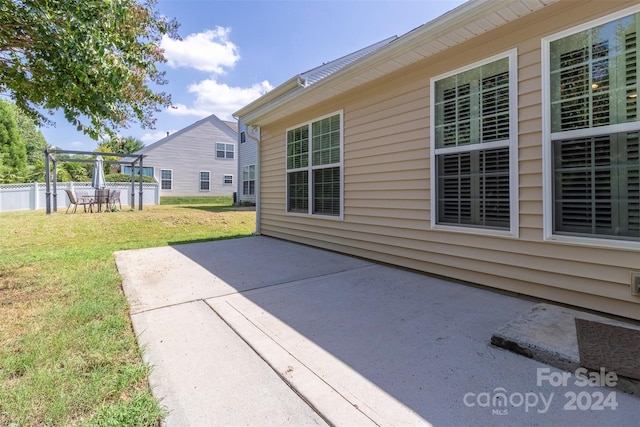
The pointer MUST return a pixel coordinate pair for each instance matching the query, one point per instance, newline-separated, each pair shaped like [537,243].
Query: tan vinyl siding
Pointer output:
[387,185]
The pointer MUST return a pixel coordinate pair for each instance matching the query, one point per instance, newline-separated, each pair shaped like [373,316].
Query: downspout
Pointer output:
[257,185]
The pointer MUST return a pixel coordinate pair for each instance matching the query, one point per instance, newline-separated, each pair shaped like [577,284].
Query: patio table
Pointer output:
[102,197]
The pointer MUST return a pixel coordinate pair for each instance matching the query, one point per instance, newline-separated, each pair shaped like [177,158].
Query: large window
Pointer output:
[205,181]
[593,124]
[314,167]
[473,147]
[249,180]
[145,171]
[166,179]
[225,151]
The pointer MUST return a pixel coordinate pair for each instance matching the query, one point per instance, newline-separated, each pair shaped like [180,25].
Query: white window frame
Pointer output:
[547,154]
[170,180]
[201,181]
[512,143]
[226,146]
[247,170]
[310,168]
[230,179]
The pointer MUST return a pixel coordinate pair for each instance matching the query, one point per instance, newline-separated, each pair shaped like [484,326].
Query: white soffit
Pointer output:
[466,22]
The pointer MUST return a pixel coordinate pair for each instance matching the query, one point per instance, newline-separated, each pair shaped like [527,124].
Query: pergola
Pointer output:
[55,156]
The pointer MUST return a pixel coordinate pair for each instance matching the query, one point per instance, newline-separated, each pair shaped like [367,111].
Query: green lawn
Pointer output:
[68,355]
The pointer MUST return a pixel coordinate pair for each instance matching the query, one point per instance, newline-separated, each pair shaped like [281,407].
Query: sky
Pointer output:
[232,52]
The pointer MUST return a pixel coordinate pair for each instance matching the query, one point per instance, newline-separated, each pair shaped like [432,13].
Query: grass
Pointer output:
[68,355]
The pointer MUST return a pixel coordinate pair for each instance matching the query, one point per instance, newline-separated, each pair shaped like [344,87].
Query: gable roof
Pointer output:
[215,121]
[463,23]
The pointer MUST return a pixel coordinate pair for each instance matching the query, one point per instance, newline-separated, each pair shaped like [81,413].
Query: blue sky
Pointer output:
[233,51]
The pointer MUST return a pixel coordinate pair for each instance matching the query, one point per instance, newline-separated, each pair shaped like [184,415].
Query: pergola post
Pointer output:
[132,198]
[55,185]
[47,193]
[140,181]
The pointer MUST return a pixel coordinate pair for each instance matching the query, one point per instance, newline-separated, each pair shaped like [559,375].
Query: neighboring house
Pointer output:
[247,163]
[496,145]
[199,160]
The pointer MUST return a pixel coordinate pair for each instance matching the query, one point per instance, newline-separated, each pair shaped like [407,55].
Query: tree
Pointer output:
[92,59]
[12,148]
[33,139]
[126,145]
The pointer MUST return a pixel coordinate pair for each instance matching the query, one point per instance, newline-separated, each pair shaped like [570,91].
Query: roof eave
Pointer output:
[434,34]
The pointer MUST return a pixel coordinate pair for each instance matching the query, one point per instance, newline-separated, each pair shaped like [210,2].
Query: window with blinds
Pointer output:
[314,167]
[472,132]
[595,131]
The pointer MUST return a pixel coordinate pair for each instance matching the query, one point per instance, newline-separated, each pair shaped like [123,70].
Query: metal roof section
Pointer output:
[312,76]
[463,23]
[285,90]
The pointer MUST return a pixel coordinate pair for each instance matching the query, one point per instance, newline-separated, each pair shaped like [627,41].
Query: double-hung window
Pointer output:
[314,167]
[166,179]
[474,147]
[593,130]
[205,180]
[249,180]
[225,151]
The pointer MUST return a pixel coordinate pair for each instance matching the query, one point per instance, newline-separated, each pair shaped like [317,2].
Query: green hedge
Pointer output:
[121,177]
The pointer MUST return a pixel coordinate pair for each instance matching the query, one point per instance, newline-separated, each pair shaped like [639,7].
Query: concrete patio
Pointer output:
[259,331]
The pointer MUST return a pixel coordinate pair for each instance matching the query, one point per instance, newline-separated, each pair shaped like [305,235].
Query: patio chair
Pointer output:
[114,197]
[83,201]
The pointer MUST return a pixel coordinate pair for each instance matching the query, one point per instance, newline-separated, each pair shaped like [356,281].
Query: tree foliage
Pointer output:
[126,145]
[12,148]
[31,136]
[92,59]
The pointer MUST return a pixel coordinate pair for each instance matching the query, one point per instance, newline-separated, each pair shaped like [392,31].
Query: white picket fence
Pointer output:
[31,196]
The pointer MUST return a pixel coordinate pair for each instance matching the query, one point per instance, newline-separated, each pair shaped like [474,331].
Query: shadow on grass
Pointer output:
[207,208]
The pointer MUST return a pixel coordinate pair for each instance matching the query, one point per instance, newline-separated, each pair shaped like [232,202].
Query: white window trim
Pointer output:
[224,179]
[311,168]
[200,181]
[225,151]
[248,167]
[166,189]
[513,231]
[547,155]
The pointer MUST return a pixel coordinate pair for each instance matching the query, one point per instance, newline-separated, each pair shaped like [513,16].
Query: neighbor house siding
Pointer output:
[387,187]
[188,153]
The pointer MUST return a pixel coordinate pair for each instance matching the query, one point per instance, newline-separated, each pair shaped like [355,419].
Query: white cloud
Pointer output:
[209,51]
[219,99]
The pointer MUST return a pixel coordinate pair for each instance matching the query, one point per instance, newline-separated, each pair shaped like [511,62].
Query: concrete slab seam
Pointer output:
[289,384]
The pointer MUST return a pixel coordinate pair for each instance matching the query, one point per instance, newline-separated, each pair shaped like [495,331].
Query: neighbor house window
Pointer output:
[145,171]
[473,146]
[228,179]
[314,167]
[594,129]
[205,180]
[224,151]
[166,179]
[249,180]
